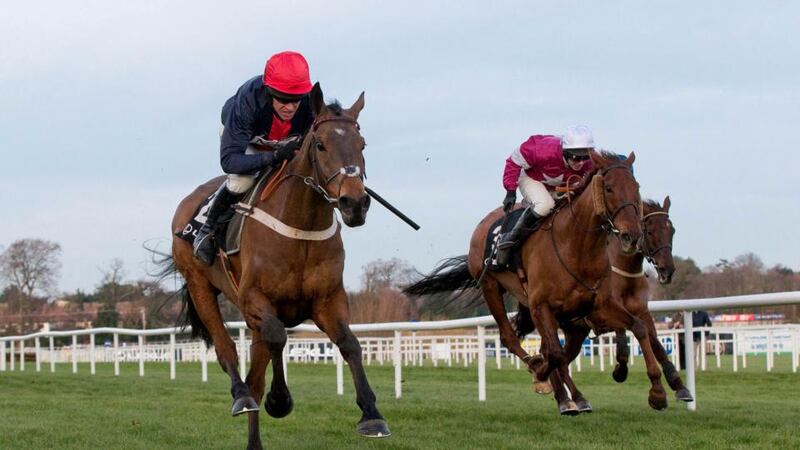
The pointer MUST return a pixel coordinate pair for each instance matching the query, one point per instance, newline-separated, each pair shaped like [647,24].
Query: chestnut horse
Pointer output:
[285,278]
[565,274]
[629,285]
[628,282]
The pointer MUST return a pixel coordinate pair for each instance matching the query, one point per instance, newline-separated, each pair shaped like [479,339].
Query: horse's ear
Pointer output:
[630,159]
[357,106]
[317,99]
[667,204]
[596,158]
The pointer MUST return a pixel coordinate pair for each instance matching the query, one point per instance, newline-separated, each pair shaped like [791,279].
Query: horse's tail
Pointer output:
[522,322]
[166,268]
[452,275]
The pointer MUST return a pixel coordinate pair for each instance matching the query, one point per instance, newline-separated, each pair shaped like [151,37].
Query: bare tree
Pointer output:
[31,265]
[382,273]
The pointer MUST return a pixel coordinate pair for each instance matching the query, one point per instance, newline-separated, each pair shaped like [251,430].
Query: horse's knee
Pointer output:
[638,328]
[349,346]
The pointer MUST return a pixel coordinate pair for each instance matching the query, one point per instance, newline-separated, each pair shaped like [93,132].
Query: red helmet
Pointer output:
[287,73]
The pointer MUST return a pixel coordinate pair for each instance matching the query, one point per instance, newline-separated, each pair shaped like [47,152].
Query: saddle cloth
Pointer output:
[502,225]
[229,231]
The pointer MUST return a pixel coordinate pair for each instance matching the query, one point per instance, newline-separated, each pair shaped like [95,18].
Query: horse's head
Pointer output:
[656,244]
[616,197]
[337,149]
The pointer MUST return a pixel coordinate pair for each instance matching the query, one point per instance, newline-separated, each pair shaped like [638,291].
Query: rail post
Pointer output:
[38,354]
[52,355]
[242,358]
[22,355]
[339,372]
[398,389]
[116,354]
[2,356]
[92,365]
[172,356]
[481,363]
[203,362]
[74,353]
[141,355]
[688,343]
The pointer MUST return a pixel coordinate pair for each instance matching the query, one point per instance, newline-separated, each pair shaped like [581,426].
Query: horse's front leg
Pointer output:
[620,373]
[554,356]
[333,317]
[574,337]
[616,317]
[273,334]
[255,382]
[670,373]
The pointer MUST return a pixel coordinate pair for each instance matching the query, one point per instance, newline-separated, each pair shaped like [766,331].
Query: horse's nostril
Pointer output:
[346,202]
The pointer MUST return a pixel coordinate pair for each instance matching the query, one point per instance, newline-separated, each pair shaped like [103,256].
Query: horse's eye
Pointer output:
[609,190]
[320,147]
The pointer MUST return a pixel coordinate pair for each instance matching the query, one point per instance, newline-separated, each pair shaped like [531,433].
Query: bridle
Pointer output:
[313,181]
[608,227]
[643,246]
[609,218]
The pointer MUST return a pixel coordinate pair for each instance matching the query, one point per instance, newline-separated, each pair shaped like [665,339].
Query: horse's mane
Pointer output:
[651,203]
[335,107]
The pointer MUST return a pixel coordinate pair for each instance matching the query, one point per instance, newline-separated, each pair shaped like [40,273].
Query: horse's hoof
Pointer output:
[684,395]
[620,373]
[278,409]
[373,428]
[542,387]
[242,405]
[657,402]
[584,406]
[568,408]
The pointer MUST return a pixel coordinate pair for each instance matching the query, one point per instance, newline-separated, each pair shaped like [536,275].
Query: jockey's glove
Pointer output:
[508,202]
[282,151]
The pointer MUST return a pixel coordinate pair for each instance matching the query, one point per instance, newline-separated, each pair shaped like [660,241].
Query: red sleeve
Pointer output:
[511,175]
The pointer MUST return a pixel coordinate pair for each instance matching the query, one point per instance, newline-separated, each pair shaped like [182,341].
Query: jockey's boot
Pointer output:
[205,247]
[517,234]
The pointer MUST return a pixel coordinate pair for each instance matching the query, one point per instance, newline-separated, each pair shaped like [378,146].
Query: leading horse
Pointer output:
[290,271]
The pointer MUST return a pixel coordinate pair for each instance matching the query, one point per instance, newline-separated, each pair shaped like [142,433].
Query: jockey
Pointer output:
[548,162]
[270,107]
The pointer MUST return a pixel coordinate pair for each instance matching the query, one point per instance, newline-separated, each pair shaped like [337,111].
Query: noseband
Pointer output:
[351,171]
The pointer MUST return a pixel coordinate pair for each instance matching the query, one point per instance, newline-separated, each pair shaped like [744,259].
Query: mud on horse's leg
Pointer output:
[333,319]
[205,302]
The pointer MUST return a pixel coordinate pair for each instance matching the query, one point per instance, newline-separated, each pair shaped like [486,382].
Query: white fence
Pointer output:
[412,349]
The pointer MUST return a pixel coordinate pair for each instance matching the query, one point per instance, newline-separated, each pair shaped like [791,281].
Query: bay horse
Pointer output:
[285,278]
[564,276]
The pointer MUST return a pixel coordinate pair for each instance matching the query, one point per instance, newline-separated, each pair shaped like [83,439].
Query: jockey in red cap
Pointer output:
[270,107]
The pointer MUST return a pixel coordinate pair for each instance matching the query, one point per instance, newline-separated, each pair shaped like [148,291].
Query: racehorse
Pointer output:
[629,283]
[289,272]
[564,276]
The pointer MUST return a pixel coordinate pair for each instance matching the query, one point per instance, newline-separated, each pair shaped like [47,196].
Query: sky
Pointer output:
[109,113]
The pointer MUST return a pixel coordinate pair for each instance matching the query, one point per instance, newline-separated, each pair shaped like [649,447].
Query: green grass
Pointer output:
[439,409]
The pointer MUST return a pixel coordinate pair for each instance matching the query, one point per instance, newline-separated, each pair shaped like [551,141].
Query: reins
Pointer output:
[608,227]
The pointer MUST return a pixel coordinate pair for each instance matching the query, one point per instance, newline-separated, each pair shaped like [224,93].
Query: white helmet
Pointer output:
[578,136]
